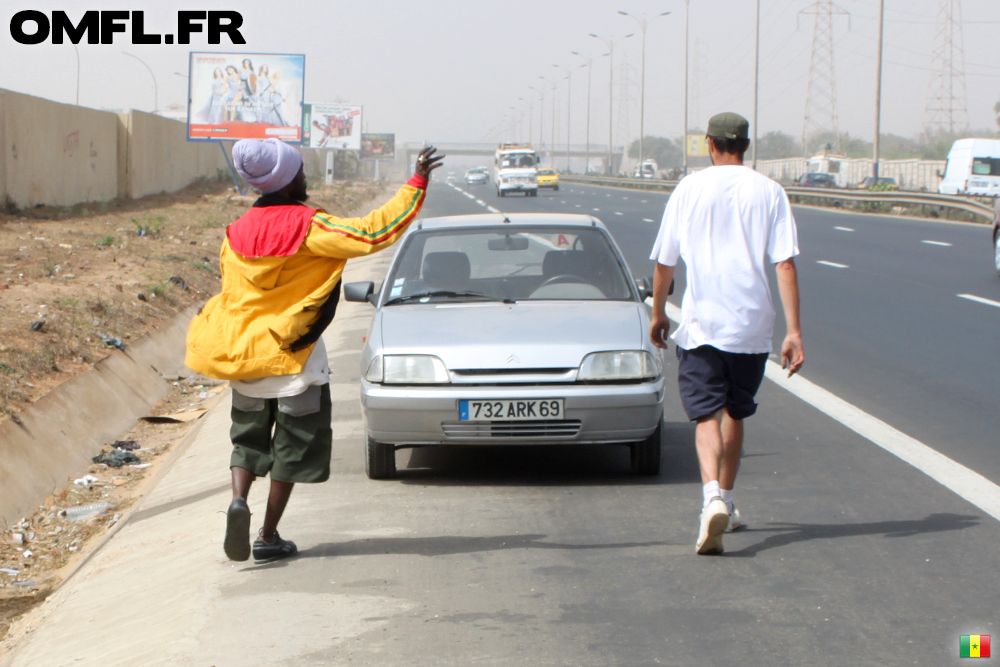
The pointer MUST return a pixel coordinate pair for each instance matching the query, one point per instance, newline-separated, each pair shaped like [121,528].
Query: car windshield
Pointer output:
[545,172]
[522,161]
[504,264]
[478,170]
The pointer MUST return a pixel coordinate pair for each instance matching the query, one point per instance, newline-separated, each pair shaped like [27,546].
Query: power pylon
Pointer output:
[946,102]
[821,98]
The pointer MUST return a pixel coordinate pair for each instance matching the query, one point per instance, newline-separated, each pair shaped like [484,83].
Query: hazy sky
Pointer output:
[448,70]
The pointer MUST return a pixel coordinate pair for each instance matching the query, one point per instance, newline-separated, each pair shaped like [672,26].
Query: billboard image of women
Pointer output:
[234,96]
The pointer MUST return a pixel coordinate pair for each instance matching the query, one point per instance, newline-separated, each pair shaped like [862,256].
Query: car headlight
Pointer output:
[407,369]
[626,365]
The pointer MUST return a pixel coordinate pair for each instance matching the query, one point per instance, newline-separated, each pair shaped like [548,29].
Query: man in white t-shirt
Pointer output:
[725,222]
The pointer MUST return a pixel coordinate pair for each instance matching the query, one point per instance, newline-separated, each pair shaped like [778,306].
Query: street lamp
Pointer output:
[569,105]
[590,69]
[643,24]
[77,74]
[552,151]
[687,32]
[610,43]
[541,108]
[878,90]
[156,93]
[756,80]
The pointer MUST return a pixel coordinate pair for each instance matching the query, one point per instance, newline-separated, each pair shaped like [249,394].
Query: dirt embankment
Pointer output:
[76,282]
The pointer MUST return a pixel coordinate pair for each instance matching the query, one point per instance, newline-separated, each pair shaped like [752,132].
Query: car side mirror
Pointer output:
[939,174]
[645,287]
[359,292]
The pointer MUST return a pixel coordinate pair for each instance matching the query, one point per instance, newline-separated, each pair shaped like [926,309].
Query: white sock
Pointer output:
[709,491]
[727,496]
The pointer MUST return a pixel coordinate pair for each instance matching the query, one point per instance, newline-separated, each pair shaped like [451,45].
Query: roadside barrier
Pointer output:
[957,202]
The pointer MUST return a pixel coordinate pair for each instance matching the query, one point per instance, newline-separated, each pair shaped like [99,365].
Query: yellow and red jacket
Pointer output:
[281,264]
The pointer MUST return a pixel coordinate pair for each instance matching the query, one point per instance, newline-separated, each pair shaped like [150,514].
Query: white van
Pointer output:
[973,168]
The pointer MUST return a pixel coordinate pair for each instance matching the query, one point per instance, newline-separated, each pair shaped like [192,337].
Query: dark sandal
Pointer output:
[275,550]
[237,542]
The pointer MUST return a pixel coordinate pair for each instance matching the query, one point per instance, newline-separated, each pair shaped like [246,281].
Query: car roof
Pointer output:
[515,219]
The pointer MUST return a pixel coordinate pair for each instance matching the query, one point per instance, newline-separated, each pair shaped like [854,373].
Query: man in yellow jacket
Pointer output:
[281,265]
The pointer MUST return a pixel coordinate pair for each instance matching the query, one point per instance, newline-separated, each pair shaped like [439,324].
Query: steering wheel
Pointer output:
[563,279]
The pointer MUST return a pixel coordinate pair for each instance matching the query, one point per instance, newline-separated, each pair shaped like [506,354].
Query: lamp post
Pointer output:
[156,92]
[878,90]
[552,83]
[610,43]
[569,105]
[541,108]
[687,31]
[77,74]
[756,80]
[590,70]
[643,24]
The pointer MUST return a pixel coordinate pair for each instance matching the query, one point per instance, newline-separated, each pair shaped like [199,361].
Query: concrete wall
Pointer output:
[155,156]
[909,174]
[56,154]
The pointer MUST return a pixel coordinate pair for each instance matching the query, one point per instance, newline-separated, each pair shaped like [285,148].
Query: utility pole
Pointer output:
[756,81]
[552,150]
[569,105]
[590,70]
[946,101]
[643,24]
[821,99]
[687,34]
[77,74]
[610,43]
[878,91]
[541,107]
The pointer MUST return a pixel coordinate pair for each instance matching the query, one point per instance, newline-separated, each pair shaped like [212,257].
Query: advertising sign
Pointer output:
[332,126]
[378,146]
[234,96]
[697,145]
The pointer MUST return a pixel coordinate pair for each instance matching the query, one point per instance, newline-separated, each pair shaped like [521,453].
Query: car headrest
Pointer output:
[447,269]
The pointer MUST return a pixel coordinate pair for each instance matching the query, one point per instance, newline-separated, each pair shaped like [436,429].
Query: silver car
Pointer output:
[477,176]
[517,329]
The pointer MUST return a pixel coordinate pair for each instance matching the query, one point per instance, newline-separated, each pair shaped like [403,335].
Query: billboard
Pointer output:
[697,145]
[378,146]
[332,126]
[234,96]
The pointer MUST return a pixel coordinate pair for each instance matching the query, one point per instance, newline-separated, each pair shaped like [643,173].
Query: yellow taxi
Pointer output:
[548,178]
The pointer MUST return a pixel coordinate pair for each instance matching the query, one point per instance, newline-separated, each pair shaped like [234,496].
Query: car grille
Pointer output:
[542,428]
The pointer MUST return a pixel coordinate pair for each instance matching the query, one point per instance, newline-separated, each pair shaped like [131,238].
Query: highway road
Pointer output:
[556,556]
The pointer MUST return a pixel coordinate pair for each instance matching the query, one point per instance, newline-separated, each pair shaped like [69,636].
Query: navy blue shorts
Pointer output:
[710,379]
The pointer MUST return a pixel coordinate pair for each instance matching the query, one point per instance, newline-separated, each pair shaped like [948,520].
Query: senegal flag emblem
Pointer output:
[974,646]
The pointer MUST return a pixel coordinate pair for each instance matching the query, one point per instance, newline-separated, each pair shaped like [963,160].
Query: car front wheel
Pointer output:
[380,460]
[645,454]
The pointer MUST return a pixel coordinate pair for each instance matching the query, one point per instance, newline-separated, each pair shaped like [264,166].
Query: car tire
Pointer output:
[555,188]
[645,454]
[996,250]
[380,460]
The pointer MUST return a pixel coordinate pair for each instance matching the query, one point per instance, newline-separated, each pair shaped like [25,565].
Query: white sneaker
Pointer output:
[714,520]
[735,521]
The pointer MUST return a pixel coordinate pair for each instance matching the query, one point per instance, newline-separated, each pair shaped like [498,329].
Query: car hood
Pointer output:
[539,334]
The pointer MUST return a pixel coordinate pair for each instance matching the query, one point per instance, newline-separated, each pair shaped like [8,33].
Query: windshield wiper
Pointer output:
[445,293]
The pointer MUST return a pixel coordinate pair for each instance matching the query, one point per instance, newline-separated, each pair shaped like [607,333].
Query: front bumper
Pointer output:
[594,414]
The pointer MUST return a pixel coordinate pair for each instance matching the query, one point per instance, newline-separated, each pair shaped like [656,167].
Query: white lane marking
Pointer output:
[492,210]
[619,213]
[563,201]
[643,201]
[941,243]
[833,264]
[481,202]
[609,195]
[647,220]
[951,474]
[468,194]
[597,210]
[844,229]
[979,299]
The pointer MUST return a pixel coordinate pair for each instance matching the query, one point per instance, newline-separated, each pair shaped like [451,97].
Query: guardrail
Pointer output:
[957,202]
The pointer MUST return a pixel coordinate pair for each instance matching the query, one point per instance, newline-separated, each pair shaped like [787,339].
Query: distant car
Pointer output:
[815,179]
[477,176]
[886,183]
[548,178]
[514,329]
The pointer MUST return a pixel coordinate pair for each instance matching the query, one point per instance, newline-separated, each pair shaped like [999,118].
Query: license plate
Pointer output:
[510,410]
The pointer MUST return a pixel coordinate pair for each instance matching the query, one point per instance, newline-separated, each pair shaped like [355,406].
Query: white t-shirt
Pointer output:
[316,371]
[723,222]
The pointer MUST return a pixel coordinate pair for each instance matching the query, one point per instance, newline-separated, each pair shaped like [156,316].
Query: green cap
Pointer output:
[729,125]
